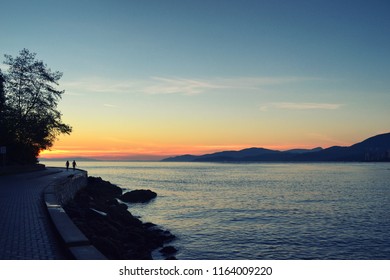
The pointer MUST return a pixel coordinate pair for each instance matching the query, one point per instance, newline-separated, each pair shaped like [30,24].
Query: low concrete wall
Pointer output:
[55,196]
[66,189]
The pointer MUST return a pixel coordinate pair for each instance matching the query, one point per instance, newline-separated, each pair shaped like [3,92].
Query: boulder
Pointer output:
[138,196]
[168,250]
[120,214]
[98,188]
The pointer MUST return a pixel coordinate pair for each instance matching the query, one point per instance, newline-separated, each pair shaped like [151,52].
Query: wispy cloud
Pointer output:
[161,85]
[176,85]
[110,105]
[301,106]
[73,93]
[99,85]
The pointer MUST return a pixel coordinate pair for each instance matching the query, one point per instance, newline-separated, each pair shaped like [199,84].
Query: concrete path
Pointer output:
[26,232]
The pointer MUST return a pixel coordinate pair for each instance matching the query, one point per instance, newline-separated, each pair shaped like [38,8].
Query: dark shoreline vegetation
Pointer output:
[98,212]
[29,119]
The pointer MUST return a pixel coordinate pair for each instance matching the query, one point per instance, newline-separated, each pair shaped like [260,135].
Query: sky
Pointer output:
[149,79]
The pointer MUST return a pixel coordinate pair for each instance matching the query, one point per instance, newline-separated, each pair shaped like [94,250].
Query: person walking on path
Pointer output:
[67,165]
[74,165]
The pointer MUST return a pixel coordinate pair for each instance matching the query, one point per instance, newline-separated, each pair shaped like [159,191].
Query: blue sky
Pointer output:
[164,77]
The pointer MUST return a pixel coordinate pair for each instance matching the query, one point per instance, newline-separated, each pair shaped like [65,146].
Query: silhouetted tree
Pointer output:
[2,109]
[2,96]
[32,121]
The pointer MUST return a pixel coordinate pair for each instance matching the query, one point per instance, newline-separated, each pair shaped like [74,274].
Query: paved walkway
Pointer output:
[25,229]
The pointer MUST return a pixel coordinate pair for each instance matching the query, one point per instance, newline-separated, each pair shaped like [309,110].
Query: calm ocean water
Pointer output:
[262,211]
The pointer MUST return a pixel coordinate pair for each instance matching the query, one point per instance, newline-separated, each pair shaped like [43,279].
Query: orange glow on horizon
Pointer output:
[151,153]
[87,142]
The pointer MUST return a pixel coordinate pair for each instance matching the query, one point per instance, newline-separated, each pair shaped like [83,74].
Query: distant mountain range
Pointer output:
[376,148]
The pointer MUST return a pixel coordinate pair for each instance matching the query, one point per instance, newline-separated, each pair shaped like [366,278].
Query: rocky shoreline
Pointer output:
[99,213]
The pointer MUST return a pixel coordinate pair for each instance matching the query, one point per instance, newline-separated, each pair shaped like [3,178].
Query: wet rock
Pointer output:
[168,250]
[120,214]
[99,188]
[138,196]
[149,225]
[118,234]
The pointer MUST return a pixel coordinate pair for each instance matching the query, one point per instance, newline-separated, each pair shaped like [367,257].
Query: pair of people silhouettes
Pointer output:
[73,164]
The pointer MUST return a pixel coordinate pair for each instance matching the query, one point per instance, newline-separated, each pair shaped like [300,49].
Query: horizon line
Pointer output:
[101,155]
[150,158]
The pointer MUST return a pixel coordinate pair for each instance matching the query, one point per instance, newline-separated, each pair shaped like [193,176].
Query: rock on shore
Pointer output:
[138,196]
[111,228]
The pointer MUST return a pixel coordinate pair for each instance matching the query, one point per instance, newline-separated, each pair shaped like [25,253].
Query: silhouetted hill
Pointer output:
[226,155]
[242,155]
[183,158]
[376,148]
[302,151]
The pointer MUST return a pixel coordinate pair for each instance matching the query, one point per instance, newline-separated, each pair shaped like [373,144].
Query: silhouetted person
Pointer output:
[74,165]
[67,165]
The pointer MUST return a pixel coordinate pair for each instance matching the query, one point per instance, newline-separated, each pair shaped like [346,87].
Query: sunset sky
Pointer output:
[150,79]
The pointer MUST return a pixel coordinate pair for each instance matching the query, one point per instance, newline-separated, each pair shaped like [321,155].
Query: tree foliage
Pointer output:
[30,119]
[2,96]
[2,106]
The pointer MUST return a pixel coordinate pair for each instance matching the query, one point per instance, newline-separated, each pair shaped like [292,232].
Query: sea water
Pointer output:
[263,211]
